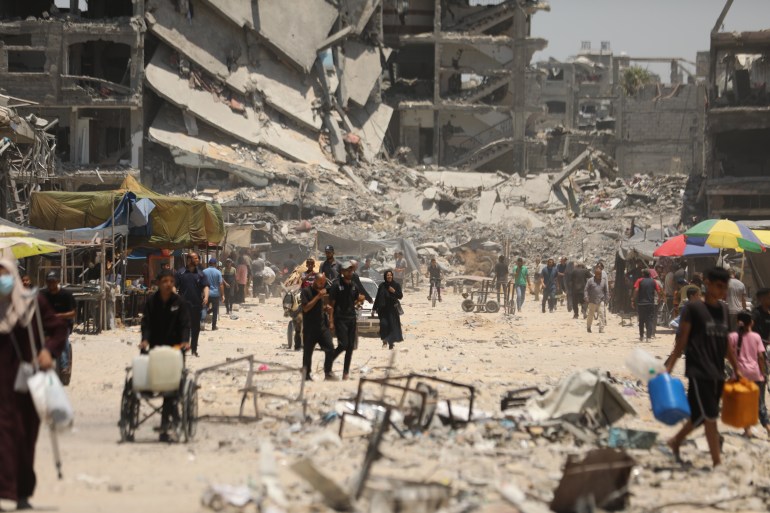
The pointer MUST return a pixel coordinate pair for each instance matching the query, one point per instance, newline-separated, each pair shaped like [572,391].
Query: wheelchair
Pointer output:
[184,419]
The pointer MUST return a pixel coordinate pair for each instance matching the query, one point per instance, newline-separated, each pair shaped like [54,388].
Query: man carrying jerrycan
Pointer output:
[703,337]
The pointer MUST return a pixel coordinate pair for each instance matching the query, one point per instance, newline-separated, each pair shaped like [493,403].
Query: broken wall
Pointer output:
[661,131]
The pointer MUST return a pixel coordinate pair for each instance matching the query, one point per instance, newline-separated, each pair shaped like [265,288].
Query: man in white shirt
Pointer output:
[736,299]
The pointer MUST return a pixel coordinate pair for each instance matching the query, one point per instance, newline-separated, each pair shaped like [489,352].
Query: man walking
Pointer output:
[257,268]
[166,322]
[596,294]
[343,297]
[736,299]
[645,291]
[315,328]
[703,338]
[539,266]
[550,276]
[193,286]
[330,267]
[216,290]
[521,283]
[501,278]
[577,286]
[63,303]
[399,272]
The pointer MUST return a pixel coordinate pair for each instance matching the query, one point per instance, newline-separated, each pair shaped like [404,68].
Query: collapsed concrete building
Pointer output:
[193,92]
[738,124]
[656,128]
[458,80]
[84,69]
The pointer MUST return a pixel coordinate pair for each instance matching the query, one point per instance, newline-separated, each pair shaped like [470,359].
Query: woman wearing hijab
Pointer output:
[19,423]
[387,306]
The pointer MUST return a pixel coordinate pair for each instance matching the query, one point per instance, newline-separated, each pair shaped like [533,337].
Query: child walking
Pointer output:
[750,354]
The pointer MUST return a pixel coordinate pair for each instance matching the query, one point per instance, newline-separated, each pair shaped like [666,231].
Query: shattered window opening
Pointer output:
[101,59]
[16,39]
[26,61]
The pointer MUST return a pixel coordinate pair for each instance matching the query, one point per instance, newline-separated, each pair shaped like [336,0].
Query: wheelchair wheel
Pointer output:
[189,403]
[492,306]
[129,412]
[468,305]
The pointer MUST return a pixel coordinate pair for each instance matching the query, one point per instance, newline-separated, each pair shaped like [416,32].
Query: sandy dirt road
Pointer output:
[494,352]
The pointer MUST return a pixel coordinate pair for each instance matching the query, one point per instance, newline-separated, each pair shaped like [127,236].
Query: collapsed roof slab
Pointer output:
[361,67]
[251,127]
[371,123]
[212,43]
[294,32]
[206,150]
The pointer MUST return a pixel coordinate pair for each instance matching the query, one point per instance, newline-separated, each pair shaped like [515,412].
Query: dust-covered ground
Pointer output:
[493,352]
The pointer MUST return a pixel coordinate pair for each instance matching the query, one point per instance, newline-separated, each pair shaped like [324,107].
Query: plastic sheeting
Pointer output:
[174,222]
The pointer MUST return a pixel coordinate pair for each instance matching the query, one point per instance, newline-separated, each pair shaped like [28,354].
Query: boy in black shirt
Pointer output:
[703,336]
[343,298]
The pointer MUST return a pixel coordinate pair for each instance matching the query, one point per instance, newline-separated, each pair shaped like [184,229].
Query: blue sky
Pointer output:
[642,28]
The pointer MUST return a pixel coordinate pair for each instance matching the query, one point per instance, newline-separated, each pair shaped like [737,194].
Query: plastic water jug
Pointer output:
[165,369]
[740,403]
[669,401]
[643,365]
[139,373]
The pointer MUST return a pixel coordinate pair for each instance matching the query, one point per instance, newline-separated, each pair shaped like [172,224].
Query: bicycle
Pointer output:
[664,315]
[435,286]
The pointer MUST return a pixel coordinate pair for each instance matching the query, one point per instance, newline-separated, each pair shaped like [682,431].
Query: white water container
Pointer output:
[139,373]
[643,365]
[165,369]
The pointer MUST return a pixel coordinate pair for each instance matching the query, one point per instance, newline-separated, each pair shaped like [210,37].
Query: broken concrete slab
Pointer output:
[207,150]
[491,209]
[371,123]
[248,126]
[239,60]
[413,203]
[294,34]
[359,71]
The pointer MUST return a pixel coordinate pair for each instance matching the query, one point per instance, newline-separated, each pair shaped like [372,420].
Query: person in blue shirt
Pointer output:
[216,290]
[193,286]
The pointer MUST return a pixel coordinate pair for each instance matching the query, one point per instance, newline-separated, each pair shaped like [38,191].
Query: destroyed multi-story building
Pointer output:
[737,171]
[85,69]
[656,128]
[180,88]
[458,80]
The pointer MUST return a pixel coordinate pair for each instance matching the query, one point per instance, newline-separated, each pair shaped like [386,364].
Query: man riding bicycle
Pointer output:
[434,275]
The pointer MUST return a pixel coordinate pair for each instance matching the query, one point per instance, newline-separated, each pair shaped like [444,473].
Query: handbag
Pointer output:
[398,308]
[47,391]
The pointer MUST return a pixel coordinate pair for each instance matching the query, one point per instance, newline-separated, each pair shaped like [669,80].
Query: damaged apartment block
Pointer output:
[458,79]
[738,124]
[80,63]
[235,87]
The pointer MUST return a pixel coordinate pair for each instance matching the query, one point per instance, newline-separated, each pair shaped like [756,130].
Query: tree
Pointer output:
[634,78]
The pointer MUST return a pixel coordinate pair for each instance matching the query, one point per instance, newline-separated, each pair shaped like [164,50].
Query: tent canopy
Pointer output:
[173,222]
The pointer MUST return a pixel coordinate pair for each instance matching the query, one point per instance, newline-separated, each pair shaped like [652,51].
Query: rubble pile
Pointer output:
[527,452]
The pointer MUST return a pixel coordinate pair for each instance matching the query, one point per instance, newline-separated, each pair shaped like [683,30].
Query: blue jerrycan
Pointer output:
[668,398]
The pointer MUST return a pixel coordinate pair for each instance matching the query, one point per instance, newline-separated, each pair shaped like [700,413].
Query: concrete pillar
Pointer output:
[137,137]
[74,135]
[436,81]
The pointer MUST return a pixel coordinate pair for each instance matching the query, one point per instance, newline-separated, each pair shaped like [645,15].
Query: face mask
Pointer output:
[6,284]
